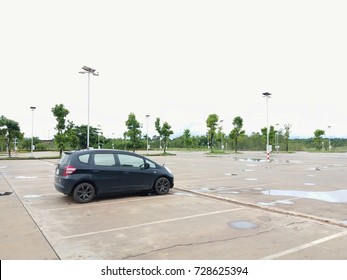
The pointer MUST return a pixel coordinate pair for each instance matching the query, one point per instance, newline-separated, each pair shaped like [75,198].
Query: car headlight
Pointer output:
[168,170]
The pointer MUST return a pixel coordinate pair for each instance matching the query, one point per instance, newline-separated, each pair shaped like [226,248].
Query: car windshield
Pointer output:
[151,163]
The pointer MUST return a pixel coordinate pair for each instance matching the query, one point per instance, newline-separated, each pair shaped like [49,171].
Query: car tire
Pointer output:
[84,192]
[162,186]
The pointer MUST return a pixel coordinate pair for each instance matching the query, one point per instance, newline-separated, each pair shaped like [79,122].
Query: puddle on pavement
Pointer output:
[317,168]
[230,192]
[242,225]
[293,161]
[274,203]
[32,196]
[339,196]
[183,194]
[249,159]
[222,190]
[230,174]
[5,193]
[25,177]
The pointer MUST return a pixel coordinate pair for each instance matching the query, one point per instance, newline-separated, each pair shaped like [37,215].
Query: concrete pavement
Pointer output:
[222,207]
[20,237]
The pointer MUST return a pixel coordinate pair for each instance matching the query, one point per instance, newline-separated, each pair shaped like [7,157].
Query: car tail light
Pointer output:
[69,170]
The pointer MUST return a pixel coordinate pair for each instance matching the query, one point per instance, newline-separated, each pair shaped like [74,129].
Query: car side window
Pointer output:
[130,161]
[84,158]
[104,160]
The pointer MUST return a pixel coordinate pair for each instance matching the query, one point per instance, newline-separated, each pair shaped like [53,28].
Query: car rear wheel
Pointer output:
[162,186]
[84,193]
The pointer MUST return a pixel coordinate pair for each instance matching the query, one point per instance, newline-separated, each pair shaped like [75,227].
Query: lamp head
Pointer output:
[88,69]
[266,94]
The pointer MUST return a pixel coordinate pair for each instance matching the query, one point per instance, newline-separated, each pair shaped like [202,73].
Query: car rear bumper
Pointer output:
[63,184]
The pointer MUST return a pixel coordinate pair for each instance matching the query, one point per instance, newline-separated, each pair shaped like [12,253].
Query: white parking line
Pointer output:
[151,223]
[95,204]
[305,246]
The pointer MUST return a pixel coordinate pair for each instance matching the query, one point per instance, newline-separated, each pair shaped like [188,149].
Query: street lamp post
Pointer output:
[267,96]
[147,116]
[32,130]
[99,129]
[277,138]
[221,135]
[329,126]
[89,71]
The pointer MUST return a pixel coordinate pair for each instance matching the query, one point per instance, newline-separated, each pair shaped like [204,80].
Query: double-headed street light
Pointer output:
[32,130]
[267,95]
[89,71]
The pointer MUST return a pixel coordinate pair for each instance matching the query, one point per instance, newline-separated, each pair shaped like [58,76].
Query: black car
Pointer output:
[88,173]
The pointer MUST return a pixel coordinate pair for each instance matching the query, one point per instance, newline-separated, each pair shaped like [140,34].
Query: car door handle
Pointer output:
[126,171]
[95,171]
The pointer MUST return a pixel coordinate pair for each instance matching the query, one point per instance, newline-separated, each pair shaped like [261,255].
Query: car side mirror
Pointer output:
[145,166]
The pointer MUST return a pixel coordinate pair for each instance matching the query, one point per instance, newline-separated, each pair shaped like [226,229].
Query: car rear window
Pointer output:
[84,158]
[64,158]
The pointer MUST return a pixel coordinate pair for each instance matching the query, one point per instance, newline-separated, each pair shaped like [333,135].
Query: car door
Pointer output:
[135,175]
[105,172]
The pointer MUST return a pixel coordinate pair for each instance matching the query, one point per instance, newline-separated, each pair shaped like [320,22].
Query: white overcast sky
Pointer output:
[177,60]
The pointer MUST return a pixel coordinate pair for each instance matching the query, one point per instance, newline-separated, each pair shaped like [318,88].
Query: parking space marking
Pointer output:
[305,246]
[94,204]
[152,223]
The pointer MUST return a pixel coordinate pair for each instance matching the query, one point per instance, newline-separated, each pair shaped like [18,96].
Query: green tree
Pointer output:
[9,130]
[220,135]
[81,133]
[61,139]
[272,134]
[164,132]
[318,138]
[287,128]
[187,140]
[134,133]
[72,136]
[237,131]
[211,123]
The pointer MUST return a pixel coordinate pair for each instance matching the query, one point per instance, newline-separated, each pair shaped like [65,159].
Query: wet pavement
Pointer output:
[222,207]
[288,181]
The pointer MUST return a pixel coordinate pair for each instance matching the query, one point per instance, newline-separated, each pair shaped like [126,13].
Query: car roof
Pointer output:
[96,151]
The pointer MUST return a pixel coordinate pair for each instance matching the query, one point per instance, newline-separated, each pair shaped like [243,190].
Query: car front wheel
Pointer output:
[84,193]
[162,186]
